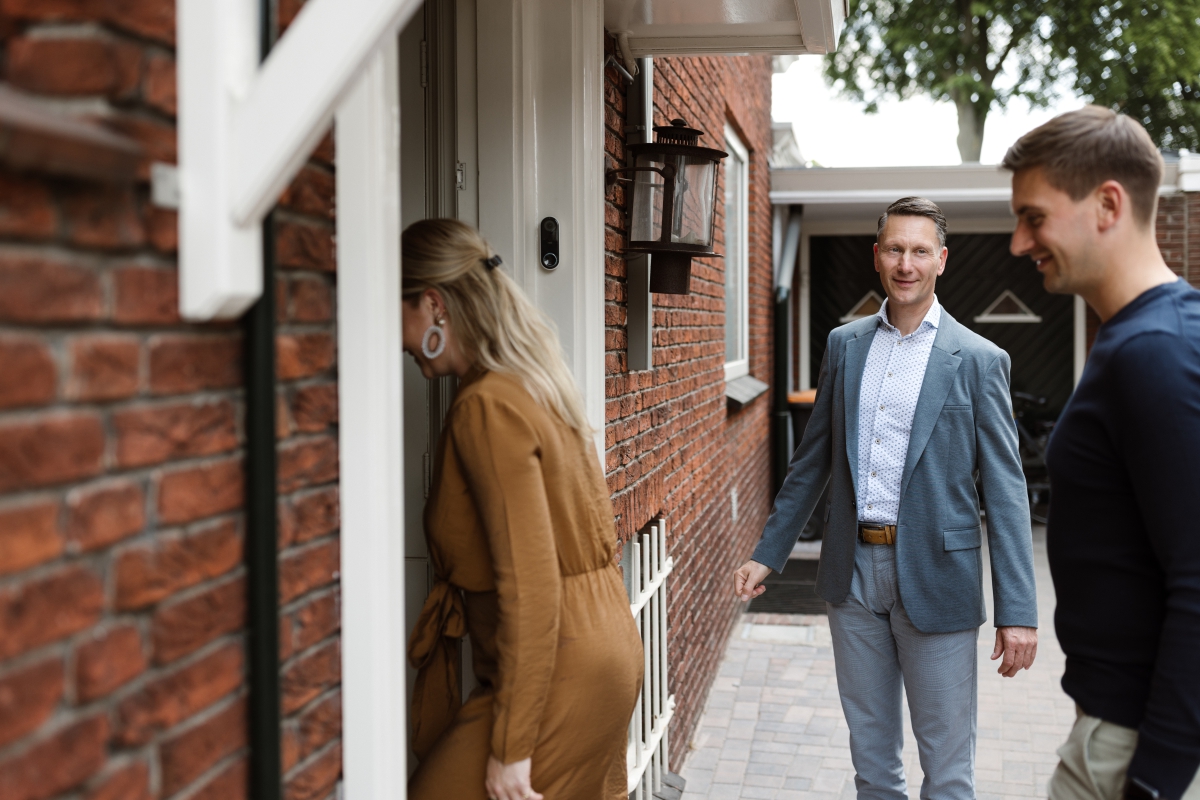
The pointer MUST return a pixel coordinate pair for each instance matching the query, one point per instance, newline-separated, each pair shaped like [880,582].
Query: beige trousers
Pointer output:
[1094,761]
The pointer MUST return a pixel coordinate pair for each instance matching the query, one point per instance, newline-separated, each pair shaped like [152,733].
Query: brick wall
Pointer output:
[122,590]
[671,445]
[1177,227]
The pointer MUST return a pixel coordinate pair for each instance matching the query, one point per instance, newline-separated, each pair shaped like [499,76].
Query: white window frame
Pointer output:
[740,259]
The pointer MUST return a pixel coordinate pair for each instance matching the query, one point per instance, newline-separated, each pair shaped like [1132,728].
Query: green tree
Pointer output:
[1143,60]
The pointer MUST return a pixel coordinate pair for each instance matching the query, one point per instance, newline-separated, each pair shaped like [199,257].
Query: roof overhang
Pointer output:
[978,191]
[712,27]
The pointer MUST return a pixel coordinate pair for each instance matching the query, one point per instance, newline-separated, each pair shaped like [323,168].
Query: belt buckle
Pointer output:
[880,534]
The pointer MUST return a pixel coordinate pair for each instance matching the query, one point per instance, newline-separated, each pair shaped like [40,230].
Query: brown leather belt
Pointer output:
[872,533]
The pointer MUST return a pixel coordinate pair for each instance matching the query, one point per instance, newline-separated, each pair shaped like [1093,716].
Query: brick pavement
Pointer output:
[773,729]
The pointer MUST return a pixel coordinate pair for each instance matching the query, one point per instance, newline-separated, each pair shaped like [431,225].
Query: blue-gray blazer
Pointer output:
[963,423]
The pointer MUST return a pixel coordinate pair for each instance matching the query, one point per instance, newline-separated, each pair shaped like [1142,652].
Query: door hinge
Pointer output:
[424,63]
[460,176]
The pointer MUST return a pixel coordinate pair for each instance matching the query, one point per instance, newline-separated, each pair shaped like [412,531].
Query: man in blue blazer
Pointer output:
[910,406]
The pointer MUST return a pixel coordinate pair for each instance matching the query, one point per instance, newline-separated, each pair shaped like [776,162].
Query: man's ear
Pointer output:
[1112,203]
[875,250]
[945,256]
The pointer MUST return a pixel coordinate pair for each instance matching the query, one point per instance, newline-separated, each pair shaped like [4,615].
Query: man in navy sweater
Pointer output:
[1123,537]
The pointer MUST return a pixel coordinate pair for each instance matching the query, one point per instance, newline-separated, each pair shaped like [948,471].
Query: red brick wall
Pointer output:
[1177,227]
[122,590]
[671,445]
[1178,230]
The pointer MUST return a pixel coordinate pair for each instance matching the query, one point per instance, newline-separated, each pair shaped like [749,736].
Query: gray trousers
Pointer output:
[877,653]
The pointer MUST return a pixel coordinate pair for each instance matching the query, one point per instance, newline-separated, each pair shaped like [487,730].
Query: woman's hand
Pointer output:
[510,781]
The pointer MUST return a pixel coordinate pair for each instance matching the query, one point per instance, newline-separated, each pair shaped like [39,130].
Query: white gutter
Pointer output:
[967,183]
[785,267]
[829,196]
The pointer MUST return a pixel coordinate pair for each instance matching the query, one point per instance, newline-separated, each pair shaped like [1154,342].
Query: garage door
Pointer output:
[984,287]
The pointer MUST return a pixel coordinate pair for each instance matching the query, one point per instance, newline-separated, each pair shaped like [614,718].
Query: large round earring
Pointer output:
[430,332]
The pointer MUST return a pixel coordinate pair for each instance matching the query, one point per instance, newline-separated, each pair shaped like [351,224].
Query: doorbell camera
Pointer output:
[549,231]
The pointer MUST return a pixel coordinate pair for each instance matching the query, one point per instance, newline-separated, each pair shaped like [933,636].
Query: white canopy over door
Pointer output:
[712,27]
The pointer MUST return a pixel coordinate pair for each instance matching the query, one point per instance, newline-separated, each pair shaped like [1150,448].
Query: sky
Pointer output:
[834,132]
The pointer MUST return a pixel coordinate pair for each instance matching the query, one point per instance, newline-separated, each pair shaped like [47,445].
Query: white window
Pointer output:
[737,275]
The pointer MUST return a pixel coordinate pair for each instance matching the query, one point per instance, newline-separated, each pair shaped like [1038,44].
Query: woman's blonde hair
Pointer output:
[496,324]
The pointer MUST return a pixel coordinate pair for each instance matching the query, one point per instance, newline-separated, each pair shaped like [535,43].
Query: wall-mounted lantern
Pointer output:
[674,202]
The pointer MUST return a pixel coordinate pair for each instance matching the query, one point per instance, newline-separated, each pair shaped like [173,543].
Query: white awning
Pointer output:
[962,190]
[710,27]
[863,192]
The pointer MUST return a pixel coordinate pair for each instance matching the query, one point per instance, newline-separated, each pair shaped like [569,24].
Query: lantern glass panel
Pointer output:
[693,194]
[694,201]
[646,218]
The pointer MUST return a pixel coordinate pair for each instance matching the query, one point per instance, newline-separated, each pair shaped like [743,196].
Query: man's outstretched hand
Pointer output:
[747,580]
[1018,646]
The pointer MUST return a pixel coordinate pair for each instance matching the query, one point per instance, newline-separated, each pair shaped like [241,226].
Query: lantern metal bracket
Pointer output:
[610,61]
[667,171]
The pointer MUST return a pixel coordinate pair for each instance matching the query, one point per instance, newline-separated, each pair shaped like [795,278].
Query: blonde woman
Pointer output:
[520,532]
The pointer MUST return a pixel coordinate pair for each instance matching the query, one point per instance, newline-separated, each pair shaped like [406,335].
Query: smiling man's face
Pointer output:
[909,258]
[1052,229]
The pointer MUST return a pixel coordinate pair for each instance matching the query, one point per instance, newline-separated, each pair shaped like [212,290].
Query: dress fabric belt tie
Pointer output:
[433,652]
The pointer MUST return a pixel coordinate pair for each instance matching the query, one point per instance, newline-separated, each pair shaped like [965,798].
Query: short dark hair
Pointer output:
[915,207]
[1082,149]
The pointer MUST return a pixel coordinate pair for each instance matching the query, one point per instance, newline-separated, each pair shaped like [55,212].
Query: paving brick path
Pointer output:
[773,729]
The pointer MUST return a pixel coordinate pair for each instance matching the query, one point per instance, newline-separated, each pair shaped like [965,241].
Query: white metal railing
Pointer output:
[646,569]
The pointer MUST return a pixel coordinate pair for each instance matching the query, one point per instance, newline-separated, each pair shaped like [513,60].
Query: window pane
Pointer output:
[735,268]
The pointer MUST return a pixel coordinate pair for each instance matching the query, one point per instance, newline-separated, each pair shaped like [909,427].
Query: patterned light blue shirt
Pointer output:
[891,384]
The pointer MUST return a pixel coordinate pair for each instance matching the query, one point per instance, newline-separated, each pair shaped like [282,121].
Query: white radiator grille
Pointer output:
[646,569]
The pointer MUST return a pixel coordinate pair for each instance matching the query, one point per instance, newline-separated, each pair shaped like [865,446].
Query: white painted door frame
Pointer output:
[540,138]
[370,440]
[541,154]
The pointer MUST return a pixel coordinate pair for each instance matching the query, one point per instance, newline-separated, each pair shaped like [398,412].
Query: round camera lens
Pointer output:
[549,261]
[550,225]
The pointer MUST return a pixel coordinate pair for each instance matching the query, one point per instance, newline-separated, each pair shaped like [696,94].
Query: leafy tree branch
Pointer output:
[1143,60]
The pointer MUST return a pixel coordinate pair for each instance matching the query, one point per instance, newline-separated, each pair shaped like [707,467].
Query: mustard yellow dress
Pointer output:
[519,519]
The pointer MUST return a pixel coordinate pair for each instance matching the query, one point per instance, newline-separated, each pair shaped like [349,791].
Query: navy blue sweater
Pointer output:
[1124,532]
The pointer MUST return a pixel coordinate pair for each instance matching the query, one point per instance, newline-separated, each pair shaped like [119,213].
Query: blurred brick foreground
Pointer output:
[122,597]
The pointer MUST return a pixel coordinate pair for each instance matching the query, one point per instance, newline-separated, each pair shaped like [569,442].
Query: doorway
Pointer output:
[434,161]
[546,57]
